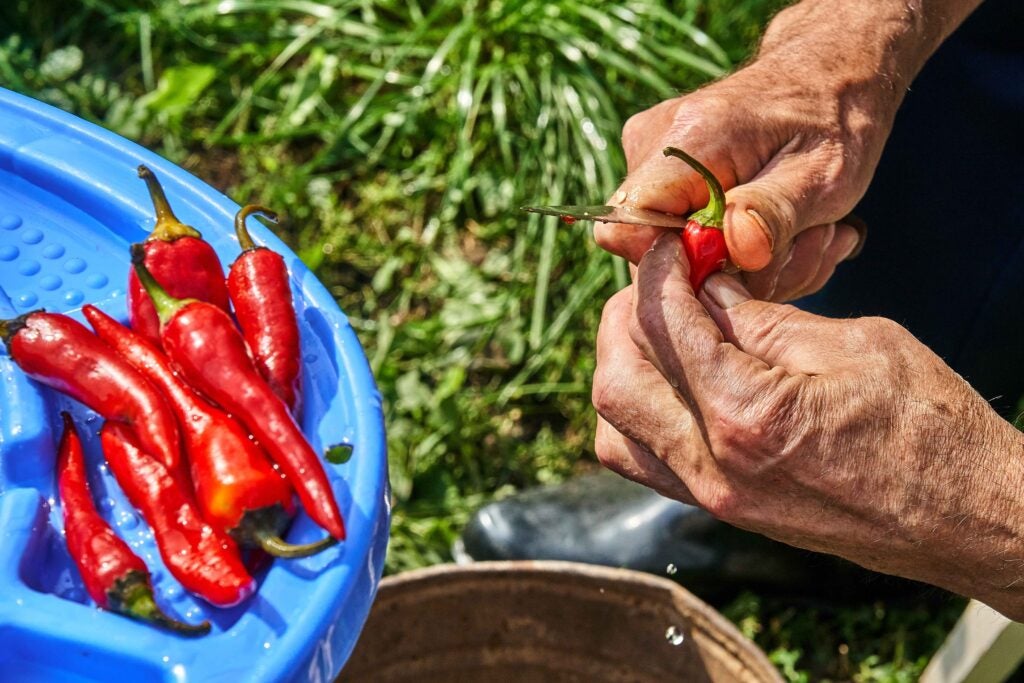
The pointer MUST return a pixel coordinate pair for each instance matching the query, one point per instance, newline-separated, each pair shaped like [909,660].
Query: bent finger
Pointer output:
[629,459]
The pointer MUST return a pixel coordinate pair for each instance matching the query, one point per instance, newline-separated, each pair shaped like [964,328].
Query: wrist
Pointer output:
[988,551]
[876,47]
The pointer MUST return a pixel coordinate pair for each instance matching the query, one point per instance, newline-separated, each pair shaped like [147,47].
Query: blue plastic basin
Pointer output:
[70,204]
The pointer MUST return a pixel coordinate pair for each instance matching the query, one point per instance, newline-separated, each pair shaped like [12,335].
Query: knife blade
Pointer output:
[611,214]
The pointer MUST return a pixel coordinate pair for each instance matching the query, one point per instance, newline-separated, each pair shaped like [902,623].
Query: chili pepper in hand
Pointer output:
[115,578]
[208,351]
[259,289]
[62,353]
[703,236]
[180,260]
[237,488]
[204,560]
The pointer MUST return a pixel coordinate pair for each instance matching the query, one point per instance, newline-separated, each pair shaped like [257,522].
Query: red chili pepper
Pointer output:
[204,344]
[259,289]
[703,236]
[116,578]
[62,353]
[237,488]
[180,260]
[204,560]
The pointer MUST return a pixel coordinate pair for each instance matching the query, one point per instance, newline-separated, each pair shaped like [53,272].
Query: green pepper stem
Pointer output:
[274,545]
[165,304]
[168,228]
[134,598]
[712,215]
[244,238]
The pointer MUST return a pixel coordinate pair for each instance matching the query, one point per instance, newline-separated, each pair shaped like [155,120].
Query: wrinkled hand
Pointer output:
[795,142]
[843,436]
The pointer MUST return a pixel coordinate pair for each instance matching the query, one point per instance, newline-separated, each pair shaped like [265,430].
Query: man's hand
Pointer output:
[794,137]
[842,436]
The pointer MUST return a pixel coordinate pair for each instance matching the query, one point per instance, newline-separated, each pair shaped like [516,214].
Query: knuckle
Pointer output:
[603,393]
[722,501]
[756,433]
[634,128]
[709,104]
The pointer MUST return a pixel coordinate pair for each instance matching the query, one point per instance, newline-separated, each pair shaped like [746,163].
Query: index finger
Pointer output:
[676,333]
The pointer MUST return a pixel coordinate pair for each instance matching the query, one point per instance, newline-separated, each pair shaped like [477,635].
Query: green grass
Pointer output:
[400,138]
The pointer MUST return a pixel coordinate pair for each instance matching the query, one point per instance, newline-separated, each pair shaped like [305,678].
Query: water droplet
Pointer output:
[73,297]
[97,280]
[32,236]
[671,569]
[674,636]
[28,267]
[108,503]
[266,645]
[10,222]
[53,251]
[74,265]
[128,521]
[50,282]
[26,300]
[8,252]
[172,592]
[165,659]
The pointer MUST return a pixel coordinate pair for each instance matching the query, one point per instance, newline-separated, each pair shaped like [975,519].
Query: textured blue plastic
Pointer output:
[70,204]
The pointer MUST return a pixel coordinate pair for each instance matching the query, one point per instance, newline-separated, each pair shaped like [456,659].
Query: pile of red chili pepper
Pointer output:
[199,396]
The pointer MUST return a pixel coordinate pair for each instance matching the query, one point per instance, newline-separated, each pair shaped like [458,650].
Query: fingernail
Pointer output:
[750,240]
[671,241]
[850,244]
[725,291]
[861,227]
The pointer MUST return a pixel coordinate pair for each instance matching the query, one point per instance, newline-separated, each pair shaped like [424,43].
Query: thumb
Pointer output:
[784,199]
[778,334]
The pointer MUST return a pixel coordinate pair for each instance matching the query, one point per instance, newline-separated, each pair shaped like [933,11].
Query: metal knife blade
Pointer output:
[611,214]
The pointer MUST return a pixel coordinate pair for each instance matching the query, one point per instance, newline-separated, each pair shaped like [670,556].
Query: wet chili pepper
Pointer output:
[259,289]
[180,260]
[205,561]
[207,349]
[703,236]
[62,353]
[115,577]
[237,488]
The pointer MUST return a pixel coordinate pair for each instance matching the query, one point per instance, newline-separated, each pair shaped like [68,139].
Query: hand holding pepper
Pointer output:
[844,436]
[794,137]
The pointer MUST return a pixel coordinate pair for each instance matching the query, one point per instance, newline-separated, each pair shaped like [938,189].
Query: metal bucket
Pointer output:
[547,621]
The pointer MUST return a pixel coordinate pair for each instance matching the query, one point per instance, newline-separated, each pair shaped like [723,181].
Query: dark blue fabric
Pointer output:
[945,248]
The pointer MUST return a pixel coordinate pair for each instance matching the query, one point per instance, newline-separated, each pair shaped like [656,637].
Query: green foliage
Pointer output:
[878,642]
[399,138]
